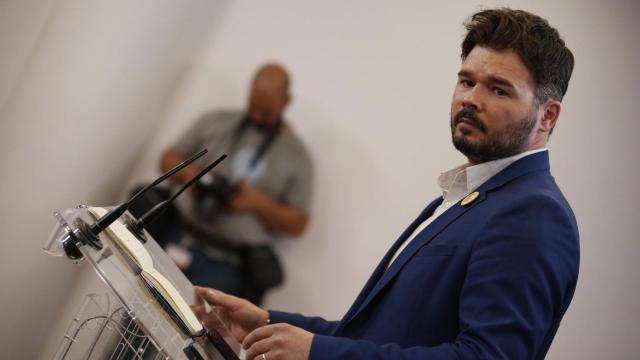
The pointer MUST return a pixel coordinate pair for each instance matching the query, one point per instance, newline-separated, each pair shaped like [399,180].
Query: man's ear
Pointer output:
[550,113]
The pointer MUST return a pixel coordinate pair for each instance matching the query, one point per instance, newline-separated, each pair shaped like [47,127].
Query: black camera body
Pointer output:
[214,193]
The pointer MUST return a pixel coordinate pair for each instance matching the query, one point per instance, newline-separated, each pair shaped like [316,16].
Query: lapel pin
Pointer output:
[470,198]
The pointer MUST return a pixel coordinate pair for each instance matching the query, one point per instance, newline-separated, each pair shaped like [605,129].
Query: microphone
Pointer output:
[88,234]
[136,225]
[116,212]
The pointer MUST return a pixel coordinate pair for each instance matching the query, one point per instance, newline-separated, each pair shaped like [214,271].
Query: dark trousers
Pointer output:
[223,275]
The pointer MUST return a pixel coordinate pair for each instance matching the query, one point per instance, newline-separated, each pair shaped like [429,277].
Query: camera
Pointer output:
[214,192]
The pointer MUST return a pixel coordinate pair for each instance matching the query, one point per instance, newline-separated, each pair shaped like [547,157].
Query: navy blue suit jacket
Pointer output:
[490,280]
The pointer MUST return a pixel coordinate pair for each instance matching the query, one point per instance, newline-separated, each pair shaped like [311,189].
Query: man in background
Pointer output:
[488,269]
[231,219]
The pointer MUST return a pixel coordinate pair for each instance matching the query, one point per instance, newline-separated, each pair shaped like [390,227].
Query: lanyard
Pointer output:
[271,135]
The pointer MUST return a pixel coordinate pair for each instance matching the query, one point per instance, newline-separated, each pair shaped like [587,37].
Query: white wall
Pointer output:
[82,84]
[372,86]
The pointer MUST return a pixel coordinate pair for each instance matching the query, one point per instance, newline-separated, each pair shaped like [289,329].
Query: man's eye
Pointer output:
[500,92]
[466,83]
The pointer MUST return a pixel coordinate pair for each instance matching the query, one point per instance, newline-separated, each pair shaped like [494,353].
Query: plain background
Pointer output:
[91,93]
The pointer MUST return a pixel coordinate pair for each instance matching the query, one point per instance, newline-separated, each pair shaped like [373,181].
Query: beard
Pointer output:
[511,140]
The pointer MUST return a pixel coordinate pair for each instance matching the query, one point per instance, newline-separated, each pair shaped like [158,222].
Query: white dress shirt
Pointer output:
[459,182]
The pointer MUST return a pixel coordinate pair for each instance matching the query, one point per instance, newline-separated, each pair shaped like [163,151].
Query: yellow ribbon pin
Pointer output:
[470,198]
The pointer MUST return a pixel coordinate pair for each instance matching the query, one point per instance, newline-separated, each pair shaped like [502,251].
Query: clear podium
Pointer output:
[131,320]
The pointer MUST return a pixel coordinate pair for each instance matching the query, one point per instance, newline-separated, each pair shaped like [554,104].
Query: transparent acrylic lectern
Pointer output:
[132,320]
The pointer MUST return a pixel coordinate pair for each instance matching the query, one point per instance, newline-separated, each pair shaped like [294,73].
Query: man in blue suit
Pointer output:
[487,270]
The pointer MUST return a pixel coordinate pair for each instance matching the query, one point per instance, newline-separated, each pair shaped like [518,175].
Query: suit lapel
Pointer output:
[420,240]
[380,269]
[380,278]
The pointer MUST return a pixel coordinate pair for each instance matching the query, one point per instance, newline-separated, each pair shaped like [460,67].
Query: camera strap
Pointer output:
[241,129]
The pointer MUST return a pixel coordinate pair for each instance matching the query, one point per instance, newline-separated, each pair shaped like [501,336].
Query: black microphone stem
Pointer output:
[116,212]
[159,208]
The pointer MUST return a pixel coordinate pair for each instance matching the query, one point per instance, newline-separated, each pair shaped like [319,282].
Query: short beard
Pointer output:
[511,140]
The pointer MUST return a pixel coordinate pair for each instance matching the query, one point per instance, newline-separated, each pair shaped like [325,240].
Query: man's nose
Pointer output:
[472,99]
[257,115]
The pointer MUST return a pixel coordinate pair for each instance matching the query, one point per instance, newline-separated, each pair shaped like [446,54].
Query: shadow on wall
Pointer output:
[90,82]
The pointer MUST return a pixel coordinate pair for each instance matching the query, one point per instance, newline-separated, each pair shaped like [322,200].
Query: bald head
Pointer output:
[269,94]
[272,78]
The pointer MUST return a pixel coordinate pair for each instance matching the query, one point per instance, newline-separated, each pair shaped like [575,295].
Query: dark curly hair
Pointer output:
[539,46]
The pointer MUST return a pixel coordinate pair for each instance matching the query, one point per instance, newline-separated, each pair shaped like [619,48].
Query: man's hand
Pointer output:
[230,315]
[278,341]
[279,217]
[245,198]
[172,158]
